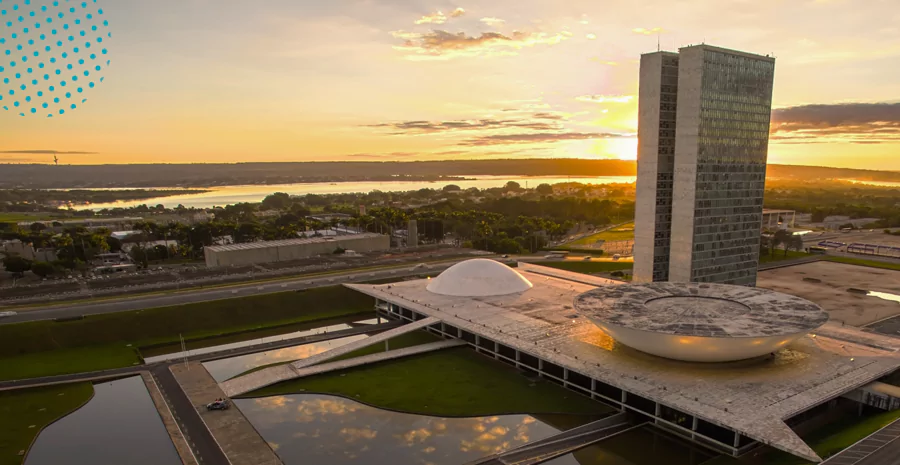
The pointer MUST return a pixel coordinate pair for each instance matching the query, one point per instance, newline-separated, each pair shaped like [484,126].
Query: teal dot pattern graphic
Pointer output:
[52,54]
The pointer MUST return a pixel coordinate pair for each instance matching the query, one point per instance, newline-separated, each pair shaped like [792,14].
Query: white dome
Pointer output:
[479,277]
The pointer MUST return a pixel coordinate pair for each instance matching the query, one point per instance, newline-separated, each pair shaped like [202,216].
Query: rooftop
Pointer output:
[286,242]
[752,397]
[704,310]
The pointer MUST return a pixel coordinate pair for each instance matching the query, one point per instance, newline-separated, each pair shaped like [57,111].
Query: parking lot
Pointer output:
[827,284]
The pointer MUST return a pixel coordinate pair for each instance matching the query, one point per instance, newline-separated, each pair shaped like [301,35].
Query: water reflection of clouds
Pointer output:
[312,428]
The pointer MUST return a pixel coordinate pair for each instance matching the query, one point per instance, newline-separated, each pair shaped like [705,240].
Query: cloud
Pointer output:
[443,45]
[605,98]
[647,32]
[540,137]
[433,18]
[45,152]
[863,123]
[430,127]
[439,17]
[492,21]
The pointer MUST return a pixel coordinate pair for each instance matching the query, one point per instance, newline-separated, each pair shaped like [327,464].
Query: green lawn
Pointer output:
[102,340]
[863,262]
[25,412]
[623,232]
[17,217]
[452,382]
[778,255]
[588,266]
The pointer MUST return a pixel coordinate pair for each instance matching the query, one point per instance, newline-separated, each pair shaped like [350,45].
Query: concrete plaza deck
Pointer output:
[366,360]
[238,439]
[751,398]
[276,374]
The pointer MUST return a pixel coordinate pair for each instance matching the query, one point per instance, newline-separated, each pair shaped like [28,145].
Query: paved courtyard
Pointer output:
[827,284]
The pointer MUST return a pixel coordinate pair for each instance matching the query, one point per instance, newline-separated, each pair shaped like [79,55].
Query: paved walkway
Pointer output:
[276,374]
[168,419]
[202,443]
[880,448]
[235,436]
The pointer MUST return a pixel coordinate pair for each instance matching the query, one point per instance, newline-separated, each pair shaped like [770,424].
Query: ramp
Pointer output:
[374,358]
[560,444]
[276,374]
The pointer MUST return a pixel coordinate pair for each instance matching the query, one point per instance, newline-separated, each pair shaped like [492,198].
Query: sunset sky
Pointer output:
[304,80]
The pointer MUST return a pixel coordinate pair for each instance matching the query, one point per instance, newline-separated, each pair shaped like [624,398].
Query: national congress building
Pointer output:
[703,131]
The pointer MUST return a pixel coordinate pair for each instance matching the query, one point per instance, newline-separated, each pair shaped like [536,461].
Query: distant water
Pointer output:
[227,195]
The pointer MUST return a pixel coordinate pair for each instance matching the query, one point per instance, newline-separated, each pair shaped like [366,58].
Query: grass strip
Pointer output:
[588,267]
[25,412]
[109,340]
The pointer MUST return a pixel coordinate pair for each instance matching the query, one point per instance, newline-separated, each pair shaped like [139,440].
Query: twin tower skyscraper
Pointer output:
[703,136]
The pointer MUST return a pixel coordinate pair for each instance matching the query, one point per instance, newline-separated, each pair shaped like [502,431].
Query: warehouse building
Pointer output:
[291,249]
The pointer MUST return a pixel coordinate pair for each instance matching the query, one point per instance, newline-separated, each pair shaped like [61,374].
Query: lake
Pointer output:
[119,425]
[227,195]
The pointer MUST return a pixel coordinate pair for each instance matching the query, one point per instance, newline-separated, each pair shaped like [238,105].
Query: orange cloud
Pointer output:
[605,98]
[493,21]
[443,45]
[439,17]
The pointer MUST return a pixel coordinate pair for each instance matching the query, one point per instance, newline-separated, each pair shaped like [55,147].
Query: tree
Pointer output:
[247,232]
[765,245]
[16,264]
[139,256]
[42,269]
[544,189]
[512,186]
[277,201]
[451,188]
[782,237]
[38,227]
[796,242]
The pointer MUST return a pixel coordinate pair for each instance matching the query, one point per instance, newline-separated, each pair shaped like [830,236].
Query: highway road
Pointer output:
[123,304]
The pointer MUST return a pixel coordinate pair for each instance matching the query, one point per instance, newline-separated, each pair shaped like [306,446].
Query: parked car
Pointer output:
[7,314]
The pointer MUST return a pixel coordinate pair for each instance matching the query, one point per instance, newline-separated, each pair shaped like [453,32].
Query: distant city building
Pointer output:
[699,207]
[291,249]
[778,219]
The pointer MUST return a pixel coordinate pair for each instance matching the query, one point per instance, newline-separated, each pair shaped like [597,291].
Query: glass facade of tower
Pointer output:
[668,99]
[735,109]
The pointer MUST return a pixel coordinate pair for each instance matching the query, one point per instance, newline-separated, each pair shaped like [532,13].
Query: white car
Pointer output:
[7,314]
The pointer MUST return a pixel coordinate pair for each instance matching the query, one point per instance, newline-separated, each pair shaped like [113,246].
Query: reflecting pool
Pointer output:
[329,430]
[120,425]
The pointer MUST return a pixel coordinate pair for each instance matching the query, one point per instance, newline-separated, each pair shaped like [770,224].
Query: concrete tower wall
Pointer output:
[656,150]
